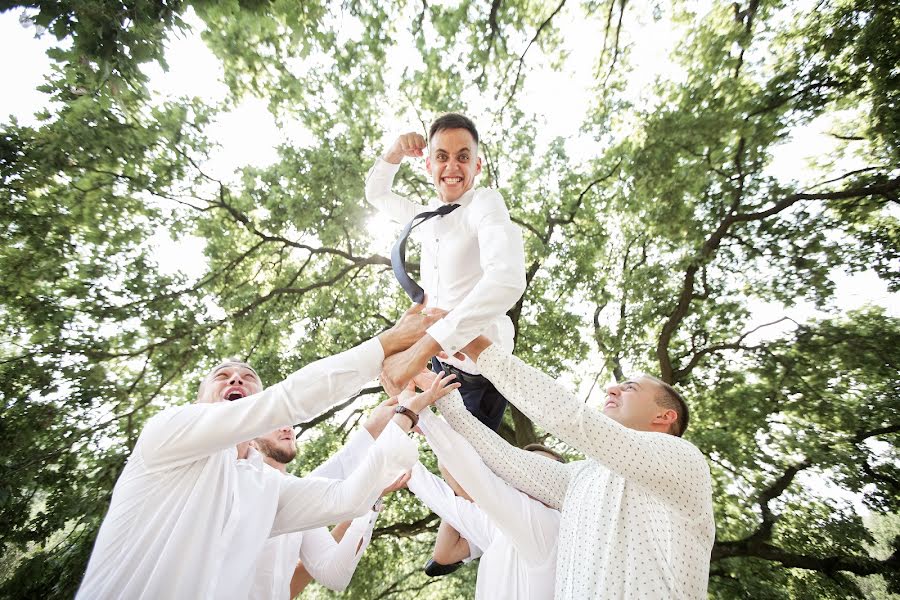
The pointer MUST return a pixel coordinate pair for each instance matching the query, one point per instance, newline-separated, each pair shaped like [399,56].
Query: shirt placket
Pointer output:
[435,232]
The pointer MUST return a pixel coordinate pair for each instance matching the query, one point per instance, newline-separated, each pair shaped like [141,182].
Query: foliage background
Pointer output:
[654,234]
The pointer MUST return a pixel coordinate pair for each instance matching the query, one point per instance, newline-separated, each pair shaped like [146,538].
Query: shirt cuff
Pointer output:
[445,333]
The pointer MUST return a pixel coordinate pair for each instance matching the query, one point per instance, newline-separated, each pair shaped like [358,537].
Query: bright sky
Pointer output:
[249,135]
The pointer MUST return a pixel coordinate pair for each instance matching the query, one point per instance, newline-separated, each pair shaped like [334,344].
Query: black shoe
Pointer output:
[436,569]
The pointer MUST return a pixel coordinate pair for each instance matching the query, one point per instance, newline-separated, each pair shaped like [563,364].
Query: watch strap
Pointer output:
[402,410]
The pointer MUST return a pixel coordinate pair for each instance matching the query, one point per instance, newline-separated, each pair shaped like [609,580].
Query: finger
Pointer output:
[415,309]
[391,401]
[444,391]
[436,382]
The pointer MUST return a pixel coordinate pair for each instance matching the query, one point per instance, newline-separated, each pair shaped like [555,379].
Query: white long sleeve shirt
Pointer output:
[330,563]
[473,261]
[637,518]
[176,506]
[518,534]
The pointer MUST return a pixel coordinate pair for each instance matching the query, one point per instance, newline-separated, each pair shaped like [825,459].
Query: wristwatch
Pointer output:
[402,410]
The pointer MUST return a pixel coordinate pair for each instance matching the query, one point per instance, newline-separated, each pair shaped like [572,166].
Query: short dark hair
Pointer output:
[541,448]
[671,398]
[453,121]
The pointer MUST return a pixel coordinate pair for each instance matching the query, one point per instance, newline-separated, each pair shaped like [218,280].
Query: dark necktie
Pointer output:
[398,253]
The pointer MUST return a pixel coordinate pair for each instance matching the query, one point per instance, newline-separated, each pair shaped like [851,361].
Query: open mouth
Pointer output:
[234,395]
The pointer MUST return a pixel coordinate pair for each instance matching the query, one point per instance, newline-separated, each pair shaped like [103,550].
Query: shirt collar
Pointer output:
[463,200]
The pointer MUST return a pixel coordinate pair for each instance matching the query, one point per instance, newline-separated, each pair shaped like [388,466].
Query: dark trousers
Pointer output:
[479,395]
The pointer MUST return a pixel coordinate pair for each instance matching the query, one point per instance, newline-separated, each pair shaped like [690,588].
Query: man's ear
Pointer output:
[666,417]
[478,165]
[428,163]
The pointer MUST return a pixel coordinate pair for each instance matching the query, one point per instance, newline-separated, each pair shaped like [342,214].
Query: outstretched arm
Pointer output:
[536,476]
[529,525]
[184,434]
[464,516]
[340,464]
[335,501]
[669,467]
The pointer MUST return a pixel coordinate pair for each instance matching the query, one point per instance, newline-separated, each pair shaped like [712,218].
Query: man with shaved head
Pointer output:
[637,519]
[181,503]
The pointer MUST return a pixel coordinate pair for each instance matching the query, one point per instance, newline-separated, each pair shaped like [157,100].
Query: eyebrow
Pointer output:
[630,381]
[234,365]
[465,149]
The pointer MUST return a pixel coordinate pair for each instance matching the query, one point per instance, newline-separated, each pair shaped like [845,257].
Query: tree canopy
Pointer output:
[652,238]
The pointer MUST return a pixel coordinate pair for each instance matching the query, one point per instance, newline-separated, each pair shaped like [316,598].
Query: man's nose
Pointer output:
[236,380]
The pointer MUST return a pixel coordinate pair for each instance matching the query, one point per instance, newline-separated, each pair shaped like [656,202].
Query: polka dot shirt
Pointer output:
[637,517]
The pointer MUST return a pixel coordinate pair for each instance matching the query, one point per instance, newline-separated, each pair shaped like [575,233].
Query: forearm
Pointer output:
[393,454]
[198,430]
[300,579]
[522,470]
[378,192]
[449,546]
[462,515]
[635,455]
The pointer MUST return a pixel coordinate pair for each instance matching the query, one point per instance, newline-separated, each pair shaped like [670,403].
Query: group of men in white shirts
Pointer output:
[204,507]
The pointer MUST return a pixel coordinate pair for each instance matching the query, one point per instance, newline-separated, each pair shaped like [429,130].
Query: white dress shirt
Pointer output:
[518,534]
[637,518]
[330,563]
[473,262]
[176,506]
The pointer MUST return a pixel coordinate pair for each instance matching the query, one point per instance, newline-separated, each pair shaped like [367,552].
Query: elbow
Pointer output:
[336,584]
